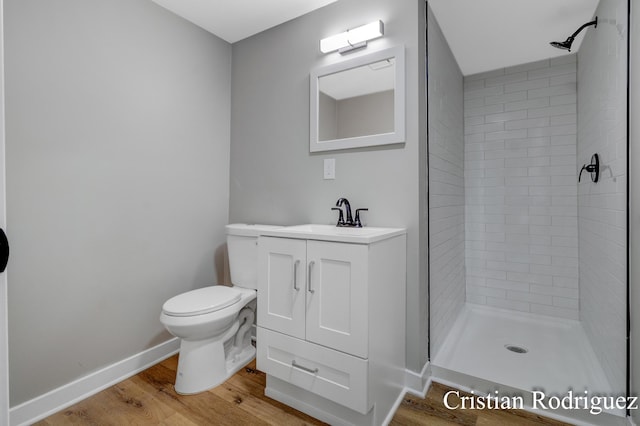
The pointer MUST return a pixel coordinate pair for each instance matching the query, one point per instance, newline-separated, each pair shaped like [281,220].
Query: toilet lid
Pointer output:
[201,301]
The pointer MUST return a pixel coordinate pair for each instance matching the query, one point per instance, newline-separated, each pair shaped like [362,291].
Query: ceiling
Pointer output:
[490,34]
[234,20]
[483,34]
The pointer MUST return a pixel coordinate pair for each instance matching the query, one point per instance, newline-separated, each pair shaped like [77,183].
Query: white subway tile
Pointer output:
[553,71]
[512,134]
[526,104]
[507,78]
[564,119]
[568,129]
[555,311]
[506,116]
[565,282]
[565,302]
[516,237]
[484,128]
[563,140]
[487,291]
[564,59]
[527,124]
[507,285]
[530,297]
[562,89]
[563,99]
[504,98]
[563,79]
[528,66]
[485,75]
[551,111]
[508,304]
[554,291]
[483,109]
[473,84]
[481,93]
[526,85]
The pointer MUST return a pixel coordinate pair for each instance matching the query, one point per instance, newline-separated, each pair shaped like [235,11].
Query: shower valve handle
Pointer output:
[593,168]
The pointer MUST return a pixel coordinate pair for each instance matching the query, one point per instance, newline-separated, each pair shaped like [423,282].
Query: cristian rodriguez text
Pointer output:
[569,401]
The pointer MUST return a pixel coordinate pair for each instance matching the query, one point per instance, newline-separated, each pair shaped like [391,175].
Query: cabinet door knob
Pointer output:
[309,280]
[295,275]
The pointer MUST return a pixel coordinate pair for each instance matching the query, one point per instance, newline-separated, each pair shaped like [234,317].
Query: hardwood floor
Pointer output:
[149,399]
[432,411]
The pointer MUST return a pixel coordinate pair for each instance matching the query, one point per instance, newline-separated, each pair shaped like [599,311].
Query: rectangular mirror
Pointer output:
[358,102]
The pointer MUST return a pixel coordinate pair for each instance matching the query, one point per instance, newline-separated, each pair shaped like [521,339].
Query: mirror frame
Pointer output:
[397,136]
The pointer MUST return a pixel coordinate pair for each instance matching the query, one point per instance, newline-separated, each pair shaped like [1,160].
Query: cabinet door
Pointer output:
[337,294]
[281,285]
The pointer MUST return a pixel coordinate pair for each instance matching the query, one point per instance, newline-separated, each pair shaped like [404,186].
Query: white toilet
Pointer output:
[215,322]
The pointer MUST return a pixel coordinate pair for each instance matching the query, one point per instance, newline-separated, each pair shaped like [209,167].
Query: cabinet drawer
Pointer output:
[333,375]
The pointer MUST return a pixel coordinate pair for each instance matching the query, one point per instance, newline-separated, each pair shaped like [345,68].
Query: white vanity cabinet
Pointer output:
[331,323]
[316,290]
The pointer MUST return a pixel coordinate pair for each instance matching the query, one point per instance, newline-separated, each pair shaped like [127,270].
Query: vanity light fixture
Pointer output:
[352,39]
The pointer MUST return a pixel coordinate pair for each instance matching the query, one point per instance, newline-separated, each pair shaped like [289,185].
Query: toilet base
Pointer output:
[202,367]
[204,364]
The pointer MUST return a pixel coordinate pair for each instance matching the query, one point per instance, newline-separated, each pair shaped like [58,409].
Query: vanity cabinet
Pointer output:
[331,324]
[316,290]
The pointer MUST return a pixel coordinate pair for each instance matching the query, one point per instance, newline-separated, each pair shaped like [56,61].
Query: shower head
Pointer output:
[566,45]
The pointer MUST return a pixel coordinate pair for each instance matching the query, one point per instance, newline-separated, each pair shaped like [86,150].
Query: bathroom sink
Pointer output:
[333,230]
[310,231]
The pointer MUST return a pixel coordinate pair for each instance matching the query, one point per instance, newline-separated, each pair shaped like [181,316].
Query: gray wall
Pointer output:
[446,185]
[364,115]
[602,227]
[327,117]
[370,114]
[274,178]
[117,179]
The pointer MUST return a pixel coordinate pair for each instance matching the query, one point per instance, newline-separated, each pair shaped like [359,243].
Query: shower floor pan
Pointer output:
[490,349]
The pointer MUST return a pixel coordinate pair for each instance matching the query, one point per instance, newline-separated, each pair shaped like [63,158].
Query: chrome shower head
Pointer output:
[566,45]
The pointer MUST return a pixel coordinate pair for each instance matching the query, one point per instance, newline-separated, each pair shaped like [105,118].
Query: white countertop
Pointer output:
[365,235]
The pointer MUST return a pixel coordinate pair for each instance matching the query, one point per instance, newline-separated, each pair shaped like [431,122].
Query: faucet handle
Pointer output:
[356,221]
[340,217]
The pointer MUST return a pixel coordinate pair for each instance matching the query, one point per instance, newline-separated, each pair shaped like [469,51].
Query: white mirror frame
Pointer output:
[397,136]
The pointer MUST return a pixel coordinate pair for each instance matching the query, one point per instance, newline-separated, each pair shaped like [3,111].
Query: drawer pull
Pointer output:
[294,364]
[309,280]
[295,275]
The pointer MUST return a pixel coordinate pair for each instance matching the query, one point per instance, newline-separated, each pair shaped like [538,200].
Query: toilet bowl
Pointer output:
[214,323]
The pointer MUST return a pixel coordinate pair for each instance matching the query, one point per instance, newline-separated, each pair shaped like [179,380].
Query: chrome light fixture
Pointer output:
[355,38]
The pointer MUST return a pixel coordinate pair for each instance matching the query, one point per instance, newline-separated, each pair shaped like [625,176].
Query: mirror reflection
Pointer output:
[357,102]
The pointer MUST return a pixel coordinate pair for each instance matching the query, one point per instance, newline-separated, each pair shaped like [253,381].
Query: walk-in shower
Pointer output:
[528,220]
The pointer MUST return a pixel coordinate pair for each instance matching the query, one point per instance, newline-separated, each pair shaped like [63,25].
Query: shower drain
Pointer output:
[516,349]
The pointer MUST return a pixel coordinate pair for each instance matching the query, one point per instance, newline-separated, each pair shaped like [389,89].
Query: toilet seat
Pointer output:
[201,301]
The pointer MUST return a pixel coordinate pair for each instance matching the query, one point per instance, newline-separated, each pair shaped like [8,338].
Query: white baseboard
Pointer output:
[418,383]
[58,399]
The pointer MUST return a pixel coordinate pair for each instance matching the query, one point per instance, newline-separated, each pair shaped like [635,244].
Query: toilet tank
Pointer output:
[242,245]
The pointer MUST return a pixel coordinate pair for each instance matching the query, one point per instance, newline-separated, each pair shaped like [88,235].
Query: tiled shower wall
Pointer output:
[602,205]
[520,188]
[446,186]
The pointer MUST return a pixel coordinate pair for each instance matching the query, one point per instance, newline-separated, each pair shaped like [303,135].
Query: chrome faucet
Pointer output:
[348,221]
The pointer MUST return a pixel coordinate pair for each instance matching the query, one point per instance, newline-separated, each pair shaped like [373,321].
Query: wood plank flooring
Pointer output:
[149,399]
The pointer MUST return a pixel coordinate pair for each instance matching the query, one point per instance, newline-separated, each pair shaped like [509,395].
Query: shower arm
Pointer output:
[594,22]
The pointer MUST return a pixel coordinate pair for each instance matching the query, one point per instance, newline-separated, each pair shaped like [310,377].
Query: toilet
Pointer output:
[214,323]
